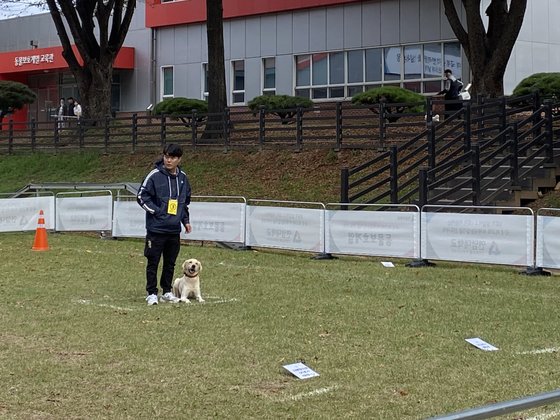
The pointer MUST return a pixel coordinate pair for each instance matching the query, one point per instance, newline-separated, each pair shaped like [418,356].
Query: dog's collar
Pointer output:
[190,275]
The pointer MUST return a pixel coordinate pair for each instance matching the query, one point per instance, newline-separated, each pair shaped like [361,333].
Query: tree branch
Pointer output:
[67,51]
[103,15]
[85,11]
[456,25]
[116,23]
[510,23]
[120,23]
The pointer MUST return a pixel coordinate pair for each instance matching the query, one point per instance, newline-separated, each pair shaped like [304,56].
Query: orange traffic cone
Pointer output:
[40,243]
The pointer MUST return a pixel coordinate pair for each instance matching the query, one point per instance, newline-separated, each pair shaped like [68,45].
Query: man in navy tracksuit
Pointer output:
[165,195]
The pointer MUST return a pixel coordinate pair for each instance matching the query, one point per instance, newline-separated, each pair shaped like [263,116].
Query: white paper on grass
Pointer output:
[481,344]
[300,371]
[387,264]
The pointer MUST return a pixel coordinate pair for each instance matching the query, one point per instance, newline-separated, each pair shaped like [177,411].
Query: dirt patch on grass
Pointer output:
[549,200]
[270,388]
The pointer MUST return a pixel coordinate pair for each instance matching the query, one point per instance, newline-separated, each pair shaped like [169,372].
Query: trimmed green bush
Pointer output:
[182,109]
[285,106]
[180,106]
[14,95]
[407,100]
[546,84]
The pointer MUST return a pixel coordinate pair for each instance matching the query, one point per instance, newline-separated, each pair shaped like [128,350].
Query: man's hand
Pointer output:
[188,228]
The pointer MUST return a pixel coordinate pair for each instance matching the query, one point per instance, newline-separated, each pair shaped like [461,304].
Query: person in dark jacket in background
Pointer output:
[165,195]
[70,107]
[451,90]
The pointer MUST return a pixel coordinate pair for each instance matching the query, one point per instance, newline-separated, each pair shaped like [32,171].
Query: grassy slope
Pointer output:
[307,176]
[312,175]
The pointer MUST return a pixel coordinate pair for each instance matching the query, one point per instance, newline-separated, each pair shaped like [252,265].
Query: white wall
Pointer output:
[538,46]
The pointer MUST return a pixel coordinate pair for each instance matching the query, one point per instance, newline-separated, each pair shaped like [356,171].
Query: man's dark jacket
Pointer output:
[157,188]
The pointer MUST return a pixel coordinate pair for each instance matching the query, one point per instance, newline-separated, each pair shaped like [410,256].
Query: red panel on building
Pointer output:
[192,11]
[17,65]
[38,59]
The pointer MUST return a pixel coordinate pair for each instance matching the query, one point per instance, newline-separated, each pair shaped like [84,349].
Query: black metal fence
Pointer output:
[470,157]
[330,125]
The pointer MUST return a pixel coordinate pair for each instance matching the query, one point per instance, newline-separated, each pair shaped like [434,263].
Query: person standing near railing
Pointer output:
[451,90]
[61,113]
[70,107]
[77,109]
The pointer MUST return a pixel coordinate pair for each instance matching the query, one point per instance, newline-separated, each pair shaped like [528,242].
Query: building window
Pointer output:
[355,72]
[269,76]
[336,75]
[205,81]
[374,65]
[412,58]
[355,66]
[392,58]
[343,74]
[452,57]
[319,69]
[116,92]
[167,82]
[433,62]
[303,75]
[238,94]
[433,67]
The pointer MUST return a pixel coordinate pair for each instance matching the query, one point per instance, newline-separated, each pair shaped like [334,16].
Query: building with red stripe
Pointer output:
[326,50]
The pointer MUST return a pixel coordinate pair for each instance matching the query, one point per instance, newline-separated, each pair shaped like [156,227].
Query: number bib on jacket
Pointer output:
[172,207]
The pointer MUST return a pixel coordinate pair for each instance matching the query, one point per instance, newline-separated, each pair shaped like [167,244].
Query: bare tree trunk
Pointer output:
[94,85]
[98,29]
[217,100]
[488,52]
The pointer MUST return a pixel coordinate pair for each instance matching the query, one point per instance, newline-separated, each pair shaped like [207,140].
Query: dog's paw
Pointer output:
[200,300]
[184,300]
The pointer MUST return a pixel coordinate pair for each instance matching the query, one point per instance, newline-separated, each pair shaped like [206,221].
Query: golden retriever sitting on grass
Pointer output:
[188,286]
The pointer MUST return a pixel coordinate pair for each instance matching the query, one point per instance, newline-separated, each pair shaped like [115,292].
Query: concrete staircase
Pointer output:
[536,178]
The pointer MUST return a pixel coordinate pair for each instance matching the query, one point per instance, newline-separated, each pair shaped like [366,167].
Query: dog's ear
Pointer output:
[185,265]
[199,266]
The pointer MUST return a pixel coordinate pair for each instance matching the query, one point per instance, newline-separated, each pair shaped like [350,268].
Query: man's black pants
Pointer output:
[158,244]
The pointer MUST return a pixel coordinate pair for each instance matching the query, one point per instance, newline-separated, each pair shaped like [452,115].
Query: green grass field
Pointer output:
[79,342]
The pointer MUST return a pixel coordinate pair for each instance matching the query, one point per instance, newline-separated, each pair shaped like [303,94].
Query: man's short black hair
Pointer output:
[448,71]
[173,149]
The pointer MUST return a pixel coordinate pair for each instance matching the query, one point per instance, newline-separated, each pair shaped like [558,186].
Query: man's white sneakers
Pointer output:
[152,300]
[169,297]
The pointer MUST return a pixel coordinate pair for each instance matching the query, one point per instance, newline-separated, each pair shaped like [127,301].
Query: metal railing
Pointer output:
[501,408]
[331,125]
[472,157]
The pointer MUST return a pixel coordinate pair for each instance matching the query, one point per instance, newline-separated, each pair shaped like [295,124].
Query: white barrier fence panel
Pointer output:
[482,238]
[22,214]
[451,235]
[84,211]
[548,239]
[213,221]
[129,219]
[376,233]
[286,227]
